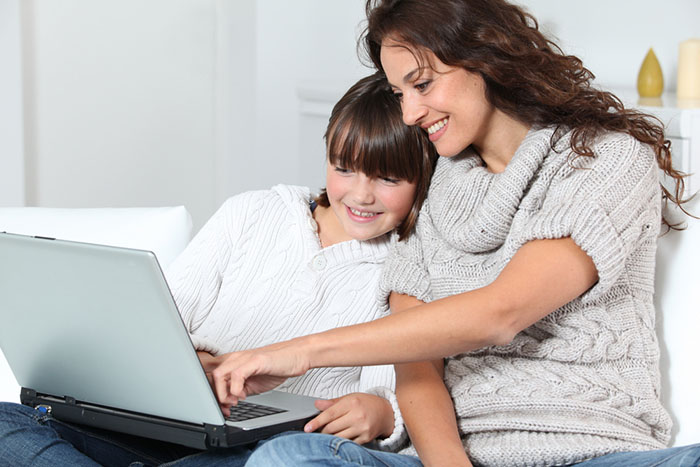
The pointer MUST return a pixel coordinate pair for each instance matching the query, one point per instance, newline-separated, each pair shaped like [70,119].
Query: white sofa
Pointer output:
[166,231]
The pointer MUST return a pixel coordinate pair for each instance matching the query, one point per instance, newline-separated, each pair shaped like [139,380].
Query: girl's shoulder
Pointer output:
[289,195]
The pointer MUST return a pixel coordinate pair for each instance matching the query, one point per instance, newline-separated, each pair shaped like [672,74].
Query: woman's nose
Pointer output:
[413,110]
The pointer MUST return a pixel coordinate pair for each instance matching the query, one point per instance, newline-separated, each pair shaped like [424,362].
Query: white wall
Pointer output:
[613,36]
[120,107]
[11,124]
[305,44]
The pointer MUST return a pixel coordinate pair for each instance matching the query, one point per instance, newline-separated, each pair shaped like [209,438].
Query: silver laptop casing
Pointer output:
[98,324]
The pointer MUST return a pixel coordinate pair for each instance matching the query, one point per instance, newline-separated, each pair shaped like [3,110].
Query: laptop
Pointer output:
[93,336]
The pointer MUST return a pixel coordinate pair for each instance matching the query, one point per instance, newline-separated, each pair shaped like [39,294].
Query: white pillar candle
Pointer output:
[689,69]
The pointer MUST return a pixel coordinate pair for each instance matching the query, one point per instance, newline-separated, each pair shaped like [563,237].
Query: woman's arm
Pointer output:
[426,405]
[541,277]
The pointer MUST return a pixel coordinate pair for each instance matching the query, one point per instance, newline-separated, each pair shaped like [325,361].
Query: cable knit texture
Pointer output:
[583,381]
[256,274]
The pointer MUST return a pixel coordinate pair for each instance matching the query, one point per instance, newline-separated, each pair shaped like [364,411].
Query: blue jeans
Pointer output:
[683,456]
[28,437]
[301,449]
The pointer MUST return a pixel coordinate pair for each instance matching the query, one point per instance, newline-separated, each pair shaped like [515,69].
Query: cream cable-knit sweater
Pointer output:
[583,381]
[256,274]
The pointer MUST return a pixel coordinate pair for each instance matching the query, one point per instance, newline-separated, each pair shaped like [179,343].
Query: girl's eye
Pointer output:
[392,181]
[342,170]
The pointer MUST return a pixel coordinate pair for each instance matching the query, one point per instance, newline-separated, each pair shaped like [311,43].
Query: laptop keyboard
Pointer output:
[248,410]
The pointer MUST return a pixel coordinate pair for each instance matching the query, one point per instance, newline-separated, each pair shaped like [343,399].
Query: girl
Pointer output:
[532,266]
[272,265]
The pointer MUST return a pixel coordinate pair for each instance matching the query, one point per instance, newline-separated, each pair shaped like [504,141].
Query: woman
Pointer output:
[532,264]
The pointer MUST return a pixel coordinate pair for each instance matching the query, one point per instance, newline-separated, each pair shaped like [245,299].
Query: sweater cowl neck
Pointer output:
[474,208]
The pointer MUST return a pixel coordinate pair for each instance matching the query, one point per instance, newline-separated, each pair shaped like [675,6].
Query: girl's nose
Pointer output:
[363,190]
[413,110]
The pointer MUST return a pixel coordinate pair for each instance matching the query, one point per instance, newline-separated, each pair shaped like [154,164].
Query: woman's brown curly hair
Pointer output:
[527,76]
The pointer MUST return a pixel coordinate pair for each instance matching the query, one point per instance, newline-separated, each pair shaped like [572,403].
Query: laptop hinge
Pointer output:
[27,396]
[216,435]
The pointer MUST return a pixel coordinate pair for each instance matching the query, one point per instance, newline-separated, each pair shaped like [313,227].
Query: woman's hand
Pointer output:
[241,374]
[358,417]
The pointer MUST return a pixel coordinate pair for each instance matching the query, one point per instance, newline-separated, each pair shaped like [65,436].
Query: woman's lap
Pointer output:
[306,449]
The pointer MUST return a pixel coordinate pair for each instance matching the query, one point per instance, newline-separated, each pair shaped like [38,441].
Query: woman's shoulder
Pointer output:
[621,165]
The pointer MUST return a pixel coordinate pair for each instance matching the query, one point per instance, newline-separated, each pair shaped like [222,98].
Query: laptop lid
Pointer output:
[99,324]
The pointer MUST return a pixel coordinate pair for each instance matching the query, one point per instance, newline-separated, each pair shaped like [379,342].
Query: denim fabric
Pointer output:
[305,449]
[28,437]
[302,449]
[683,456]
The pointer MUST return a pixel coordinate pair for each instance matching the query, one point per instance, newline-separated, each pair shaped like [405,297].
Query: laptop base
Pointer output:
[196,436]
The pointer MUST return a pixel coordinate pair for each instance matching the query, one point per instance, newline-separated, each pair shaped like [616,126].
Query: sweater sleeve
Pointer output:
[195,276]
[611,209]
[404,270]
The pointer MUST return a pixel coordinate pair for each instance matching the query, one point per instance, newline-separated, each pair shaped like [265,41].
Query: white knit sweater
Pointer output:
[583,381]
[256,274]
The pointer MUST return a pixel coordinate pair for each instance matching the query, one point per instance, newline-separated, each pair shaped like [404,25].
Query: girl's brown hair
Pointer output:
[366,134]
[527,76]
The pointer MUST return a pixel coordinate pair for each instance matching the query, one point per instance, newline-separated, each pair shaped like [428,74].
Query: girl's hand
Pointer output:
[358,417]
[241,374]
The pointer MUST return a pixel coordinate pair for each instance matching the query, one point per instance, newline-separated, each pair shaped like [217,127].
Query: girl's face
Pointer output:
[367,207]
[447,102]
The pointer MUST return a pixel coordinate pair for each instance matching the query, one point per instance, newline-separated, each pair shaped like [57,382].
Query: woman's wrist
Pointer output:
[305,349]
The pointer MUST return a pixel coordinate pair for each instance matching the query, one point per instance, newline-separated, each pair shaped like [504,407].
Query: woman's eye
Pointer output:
[422,86]
[398,96]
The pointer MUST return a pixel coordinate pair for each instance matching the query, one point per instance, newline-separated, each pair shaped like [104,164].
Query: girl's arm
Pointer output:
[426,405]
[541,277]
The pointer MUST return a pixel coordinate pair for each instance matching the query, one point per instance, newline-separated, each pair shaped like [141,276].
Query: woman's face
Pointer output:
[367,207]
[448,102]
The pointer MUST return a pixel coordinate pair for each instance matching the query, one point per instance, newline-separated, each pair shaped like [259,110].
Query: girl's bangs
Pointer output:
[377,148]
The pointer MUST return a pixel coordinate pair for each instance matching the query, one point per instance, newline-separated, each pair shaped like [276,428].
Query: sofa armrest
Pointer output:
[677,300]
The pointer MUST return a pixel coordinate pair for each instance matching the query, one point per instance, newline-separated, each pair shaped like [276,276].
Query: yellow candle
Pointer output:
[689,69]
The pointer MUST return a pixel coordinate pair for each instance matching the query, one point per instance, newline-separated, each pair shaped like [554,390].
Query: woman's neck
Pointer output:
[501,141]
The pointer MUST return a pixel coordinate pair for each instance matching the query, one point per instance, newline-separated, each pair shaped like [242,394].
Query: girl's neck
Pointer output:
[330,231]
[501,141]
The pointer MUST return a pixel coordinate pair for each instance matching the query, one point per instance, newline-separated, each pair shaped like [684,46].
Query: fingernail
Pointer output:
[307,429]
